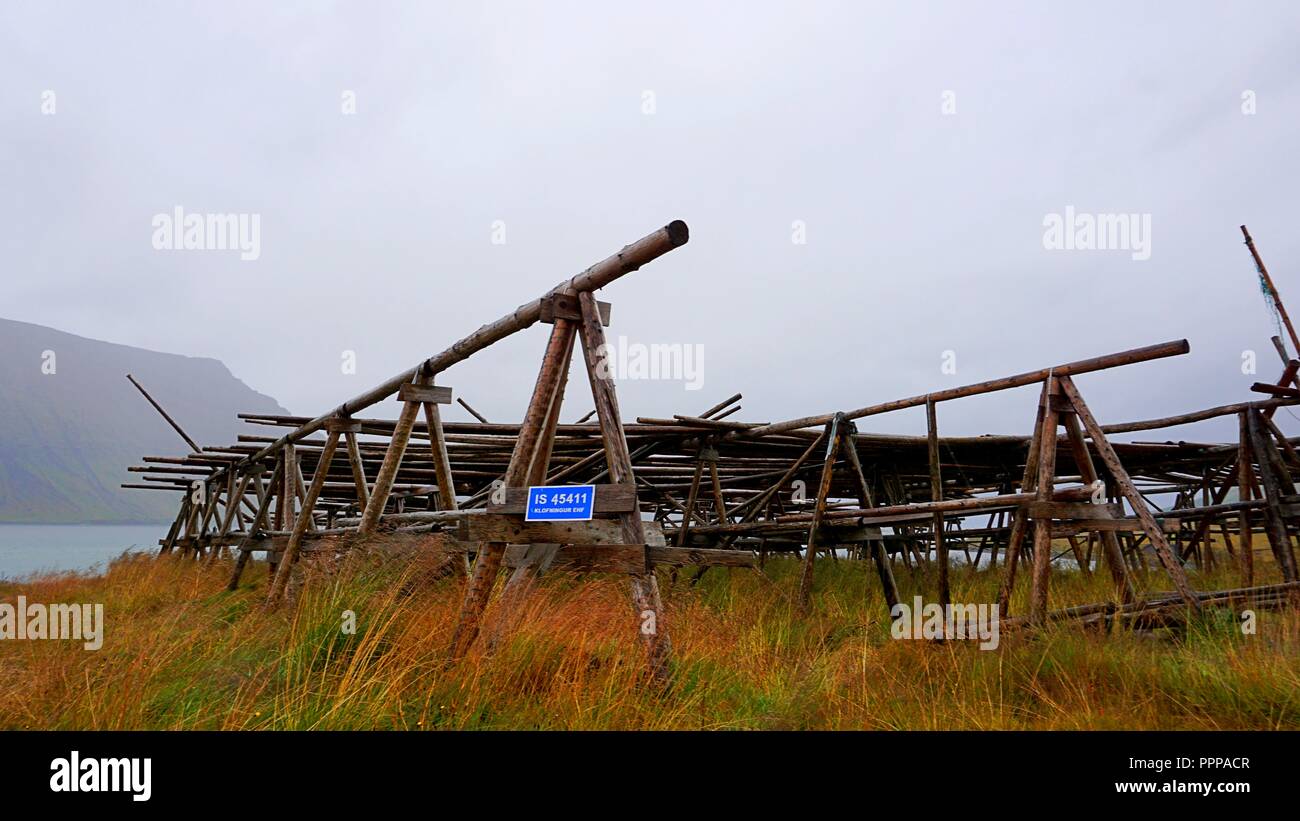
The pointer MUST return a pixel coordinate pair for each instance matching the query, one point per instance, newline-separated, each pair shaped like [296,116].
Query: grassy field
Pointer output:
[180,652]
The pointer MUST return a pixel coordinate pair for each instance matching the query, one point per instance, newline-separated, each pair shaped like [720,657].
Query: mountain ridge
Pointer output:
[71,423]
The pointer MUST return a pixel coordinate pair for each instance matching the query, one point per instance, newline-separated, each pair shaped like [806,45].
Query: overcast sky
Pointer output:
[920,147]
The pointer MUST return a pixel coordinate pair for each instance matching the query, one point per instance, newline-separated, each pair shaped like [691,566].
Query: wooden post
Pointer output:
[391,464]
[1274,522]
[1246,548]
[1124,588]
[866,500]
[1149,525]
[263,507]
[1268,282]
[233,498]
[442,468]
[173,533]
[936,495]
[652,627]
[1043,526]
[833,440]
[487,565]
[691,498]
[539,555]
[1020,518]
[276,588]
[358,467]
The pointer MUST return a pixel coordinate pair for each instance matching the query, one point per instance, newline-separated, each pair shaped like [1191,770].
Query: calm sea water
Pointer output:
[28,549]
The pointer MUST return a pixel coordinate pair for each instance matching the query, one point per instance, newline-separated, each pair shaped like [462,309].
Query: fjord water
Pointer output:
[28,549]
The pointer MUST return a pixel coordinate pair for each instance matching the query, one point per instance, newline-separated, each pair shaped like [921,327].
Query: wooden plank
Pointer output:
[567,306]
[843,535]
[628,559]
[1074,510]
[1127,524]
[510,528]
[679,556]
[609,499]
[436,394]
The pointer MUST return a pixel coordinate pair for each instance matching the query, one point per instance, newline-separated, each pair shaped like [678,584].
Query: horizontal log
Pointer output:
[1276,390]
[1164,349]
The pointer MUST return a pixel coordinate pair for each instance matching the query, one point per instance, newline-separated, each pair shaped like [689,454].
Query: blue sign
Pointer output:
[560,504]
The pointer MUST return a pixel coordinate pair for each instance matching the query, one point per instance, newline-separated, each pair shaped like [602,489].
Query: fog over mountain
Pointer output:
[71,423]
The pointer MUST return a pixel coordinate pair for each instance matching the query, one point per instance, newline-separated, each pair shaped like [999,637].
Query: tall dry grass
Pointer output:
[180,653]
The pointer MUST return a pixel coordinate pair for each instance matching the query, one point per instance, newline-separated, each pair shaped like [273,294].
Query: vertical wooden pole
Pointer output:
[304,519]
[1020,517]
[391,464]
[537,556]
[358,470]
[1043,491]
[833,440]
[691,498]
[936,495]
[174,532]
[284,507]
[259,518]
[1246,548]
[865,500]
[645,587]
[442,468]
[1268,282]
[1124,588]
[234,498]
[487,565]
[1274,522]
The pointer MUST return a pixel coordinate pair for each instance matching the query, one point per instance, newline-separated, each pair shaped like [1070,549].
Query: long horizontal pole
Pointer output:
[632,257]
[1164,349]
